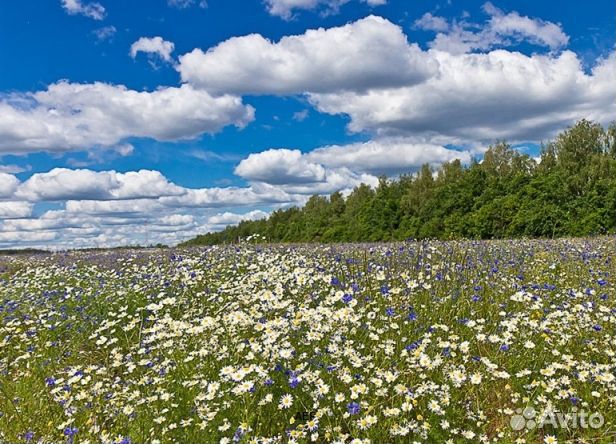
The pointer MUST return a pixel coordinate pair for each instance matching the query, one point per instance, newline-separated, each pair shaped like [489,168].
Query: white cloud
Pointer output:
[66,184]
[73,116]
[483,97]
[431,22]
[8,185]
[104,33]
[336,179]
[300,116]
[257,194]
[183,4]
[153,45]
[384,156]
[280,166]
[537,31]
[21,238]
[174,220]
[12,209]
[92,10]
[500,30]
[369,53]
[228,218]
[341,167]
[139,207]
[14,169]
[285,8]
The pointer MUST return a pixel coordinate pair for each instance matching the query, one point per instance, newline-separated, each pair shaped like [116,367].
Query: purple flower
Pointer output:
[353,408]
[390,311]
[412,316]
[293,382]
[596,327]
[347,298]
[504,347]
[70,431]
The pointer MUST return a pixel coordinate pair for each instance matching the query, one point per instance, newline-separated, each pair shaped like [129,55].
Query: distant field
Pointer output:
[494,341]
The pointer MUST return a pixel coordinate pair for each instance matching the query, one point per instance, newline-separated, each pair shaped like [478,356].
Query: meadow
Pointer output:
[461,341]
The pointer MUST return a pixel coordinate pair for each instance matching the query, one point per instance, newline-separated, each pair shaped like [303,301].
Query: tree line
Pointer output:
[571,191]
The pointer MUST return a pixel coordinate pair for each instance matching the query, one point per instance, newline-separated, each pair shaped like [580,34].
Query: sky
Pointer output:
[154,121]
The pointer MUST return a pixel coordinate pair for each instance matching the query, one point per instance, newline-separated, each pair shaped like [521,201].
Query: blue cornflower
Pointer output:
[412,316]
[384,289]
[347,298]
[293,382]
[390,311]
[70,432]
[596,327]
[504,347]
[335,281]
[353,408]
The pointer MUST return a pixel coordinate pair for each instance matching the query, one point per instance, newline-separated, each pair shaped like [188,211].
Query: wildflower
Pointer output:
[353,408]
[285,401]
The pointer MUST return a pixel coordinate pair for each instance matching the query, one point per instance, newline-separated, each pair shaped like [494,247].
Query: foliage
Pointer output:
[570,192]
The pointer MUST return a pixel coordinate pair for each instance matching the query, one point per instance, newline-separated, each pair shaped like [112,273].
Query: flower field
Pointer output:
[407,342]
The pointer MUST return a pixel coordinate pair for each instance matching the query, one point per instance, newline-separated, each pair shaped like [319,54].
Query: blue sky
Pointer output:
[231,118]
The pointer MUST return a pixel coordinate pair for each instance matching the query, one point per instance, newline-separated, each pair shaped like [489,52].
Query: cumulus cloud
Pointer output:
[285,8]
[8,185]
[73,116]
[341,167]
[390,87]
[482,97]
[153,46]
[65,184]
[369,53]
[139,207]
[92,10]
[257,194]
[228,218]
[280,166]
[390,157]
[10,238]
[15,209]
